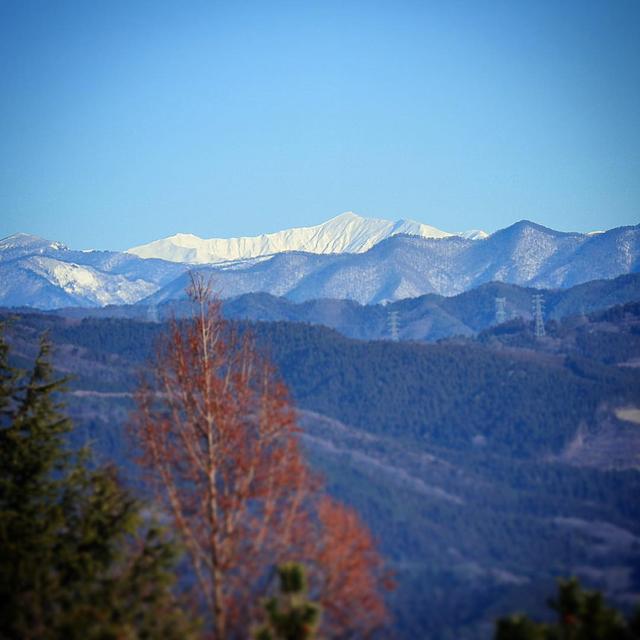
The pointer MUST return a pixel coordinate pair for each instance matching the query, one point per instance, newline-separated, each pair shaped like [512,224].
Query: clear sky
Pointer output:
[125,121]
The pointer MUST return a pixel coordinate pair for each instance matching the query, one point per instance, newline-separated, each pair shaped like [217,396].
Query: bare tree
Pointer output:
[219,438]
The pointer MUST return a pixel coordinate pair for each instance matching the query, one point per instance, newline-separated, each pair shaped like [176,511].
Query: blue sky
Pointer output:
[123,122]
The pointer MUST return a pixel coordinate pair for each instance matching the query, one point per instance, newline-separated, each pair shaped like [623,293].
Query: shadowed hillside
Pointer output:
[482,466]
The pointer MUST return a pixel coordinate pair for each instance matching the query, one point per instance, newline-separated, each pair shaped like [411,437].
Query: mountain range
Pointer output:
[366,269]
[35,272]
[432,317]
[346,233]
[426,318]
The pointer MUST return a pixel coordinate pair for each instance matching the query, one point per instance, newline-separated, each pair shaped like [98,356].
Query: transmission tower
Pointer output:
[392,319]
[538,304]
[501,311]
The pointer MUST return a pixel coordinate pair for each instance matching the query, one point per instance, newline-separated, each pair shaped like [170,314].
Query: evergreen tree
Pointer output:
[77,559]
[290,616]
[518,627]
[582,615]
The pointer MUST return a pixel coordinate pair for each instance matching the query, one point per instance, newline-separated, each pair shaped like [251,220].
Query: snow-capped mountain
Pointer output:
[24,244]
[38,273]
[346,233]
[35,272]
[408,266]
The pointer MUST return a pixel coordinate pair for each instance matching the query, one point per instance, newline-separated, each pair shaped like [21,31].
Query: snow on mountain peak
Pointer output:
[20,244]
[473,234]
[345,233]
[22,240]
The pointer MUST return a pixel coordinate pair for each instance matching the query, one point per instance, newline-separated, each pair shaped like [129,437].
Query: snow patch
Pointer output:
[95,286]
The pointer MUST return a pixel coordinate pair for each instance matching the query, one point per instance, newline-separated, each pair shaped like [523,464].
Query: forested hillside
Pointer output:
[472,460]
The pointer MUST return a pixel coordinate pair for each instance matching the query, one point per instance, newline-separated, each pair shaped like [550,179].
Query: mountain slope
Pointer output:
[430,317]
[474,464]
[37,273]
[403,266]
[346,233]
[19,245]
[433,317]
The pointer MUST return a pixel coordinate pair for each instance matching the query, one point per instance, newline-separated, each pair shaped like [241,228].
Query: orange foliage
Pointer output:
[349,566]
[219,438]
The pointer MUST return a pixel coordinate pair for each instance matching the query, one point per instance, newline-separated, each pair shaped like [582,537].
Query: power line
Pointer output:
[537,301]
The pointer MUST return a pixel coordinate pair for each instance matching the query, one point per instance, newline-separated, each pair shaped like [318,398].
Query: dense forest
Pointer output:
[472,460]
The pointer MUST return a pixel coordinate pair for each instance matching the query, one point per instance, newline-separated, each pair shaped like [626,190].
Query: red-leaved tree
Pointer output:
[219,439]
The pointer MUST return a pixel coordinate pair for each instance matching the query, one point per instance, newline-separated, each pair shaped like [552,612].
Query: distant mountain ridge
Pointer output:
[35,272]
[403,266]
[346,233]
[38,273]
[432,317]
[427,318]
